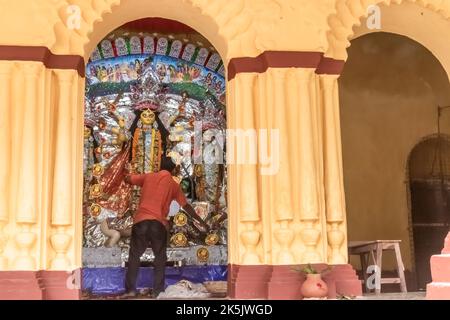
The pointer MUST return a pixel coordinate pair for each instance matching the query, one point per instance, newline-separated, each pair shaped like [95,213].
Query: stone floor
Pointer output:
[394,296]
[383,296]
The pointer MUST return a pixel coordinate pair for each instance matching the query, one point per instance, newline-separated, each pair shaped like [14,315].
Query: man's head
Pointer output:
[168,164]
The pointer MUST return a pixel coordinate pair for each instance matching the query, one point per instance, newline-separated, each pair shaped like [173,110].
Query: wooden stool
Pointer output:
[375,250]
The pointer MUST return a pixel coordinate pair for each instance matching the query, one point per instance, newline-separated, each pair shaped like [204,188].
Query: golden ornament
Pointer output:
[180,219]
[212,239]
[95,210]
[97,170]
[95,191]
[202,254]
[179,239]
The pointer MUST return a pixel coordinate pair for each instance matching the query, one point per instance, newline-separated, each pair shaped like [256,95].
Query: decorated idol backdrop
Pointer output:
[146,97]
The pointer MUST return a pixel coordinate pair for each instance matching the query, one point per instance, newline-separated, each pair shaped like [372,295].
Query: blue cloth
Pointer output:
[112,280]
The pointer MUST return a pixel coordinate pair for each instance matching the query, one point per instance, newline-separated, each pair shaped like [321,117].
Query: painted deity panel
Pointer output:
[138,108]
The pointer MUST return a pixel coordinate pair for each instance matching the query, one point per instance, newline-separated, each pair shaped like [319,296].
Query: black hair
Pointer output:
[167,164]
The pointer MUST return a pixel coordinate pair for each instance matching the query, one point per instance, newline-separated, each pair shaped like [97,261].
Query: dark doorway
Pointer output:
[429,172]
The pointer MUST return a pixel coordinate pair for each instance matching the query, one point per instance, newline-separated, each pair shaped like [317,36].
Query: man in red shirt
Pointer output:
[150,225]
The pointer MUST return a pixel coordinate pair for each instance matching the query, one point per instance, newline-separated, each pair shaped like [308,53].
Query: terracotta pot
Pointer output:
[314,287]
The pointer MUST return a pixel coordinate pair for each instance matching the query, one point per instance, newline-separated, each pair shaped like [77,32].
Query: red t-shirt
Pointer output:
[158,190]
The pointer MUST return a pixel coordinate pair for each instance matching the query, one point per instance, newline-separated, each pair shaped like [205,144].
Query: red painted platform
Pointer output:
[39,285]
[244,282]
[439,289]
[283,282]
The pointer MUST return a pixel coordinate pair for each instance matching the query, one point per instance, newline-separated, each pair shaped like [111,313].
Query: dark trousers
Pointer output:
[144,233]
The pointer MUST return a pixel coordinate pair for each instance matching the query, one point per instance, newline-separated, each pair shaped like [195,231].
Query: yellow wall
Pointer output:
[389,92]
[295,215]
[40,182]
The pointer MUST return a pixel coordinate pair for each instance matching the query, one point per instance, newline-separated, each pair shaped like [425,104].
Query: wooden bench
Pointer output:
[374,249]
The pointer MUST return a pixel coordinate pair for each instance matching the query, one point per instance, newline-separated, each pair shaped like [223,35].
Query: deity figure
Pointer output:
[182,108]
[209,183]
[209,174]
[107,196]
[147,144]
[150,119]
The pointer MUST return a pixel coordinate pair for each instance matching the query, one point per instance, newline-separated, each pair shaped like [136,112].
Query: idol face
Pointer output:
[148,117]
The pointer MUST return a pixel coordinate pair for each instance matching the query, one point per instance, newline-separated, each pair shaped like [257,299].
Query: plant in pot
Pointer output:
[314,286]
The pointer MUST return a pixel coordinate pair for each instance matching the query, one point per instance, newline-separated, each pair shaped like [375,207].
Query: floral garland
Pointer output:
[156,150]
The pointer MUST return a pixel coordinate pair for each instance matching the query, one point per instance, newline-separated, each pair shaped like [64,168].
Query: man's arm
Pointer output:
[191,212]
[135,179]
[182,201]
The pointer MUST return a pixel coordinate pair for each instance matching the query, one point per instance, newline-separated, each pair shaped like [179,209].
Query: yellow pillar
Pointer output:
[64,171]
[283,213]
[6,69]
[334,184]
[308,163]
[27,209]
[242,184]
[40,166]
[277,216]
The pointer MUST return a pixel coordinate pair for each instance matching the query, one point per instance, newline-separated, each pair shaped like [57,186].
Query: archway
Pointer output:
[389,93]
[154,86]
[415,19]
[97,19]
[429,183]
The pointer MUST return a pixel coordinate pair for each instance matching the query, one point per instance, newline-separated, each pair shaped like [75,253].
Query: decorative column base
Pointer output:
[439,289]
[285,283]
[19,285]
[40,285]
[60,285]
[248,282]
[282,282]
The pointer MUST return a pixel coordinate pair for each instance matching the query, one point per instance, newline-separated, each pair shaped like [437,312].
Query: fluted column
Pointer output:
[232,183]
[333,171]
[62,197]
[247,169]
[282,181]
[309,197]
[6,69]
[78,174]
[27,193]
